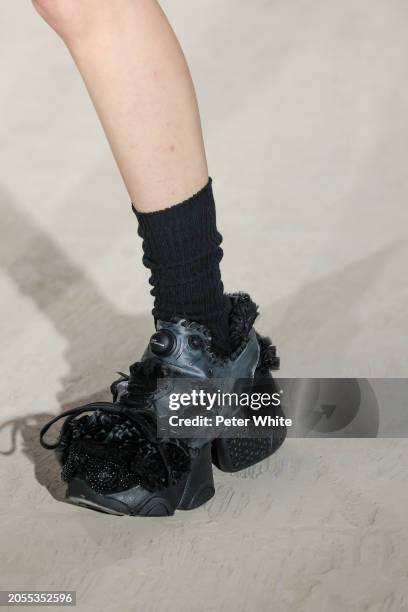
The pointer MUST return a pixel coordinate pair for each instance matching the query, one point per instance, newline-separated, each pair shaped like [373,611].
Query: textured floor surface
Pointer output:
[305,110]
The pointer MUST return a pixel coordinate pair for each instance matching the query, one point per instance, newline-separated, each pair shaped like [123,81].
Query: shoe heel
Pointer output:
[199,487]
[235,454]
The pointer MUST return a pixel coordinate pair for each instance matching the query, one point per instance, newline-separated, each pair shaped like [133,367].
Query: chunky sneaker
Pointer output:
[111,457]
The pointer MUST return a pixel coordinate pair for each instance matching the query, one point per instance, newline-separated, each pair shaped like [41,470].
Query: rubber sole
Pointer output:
[227,454]
[236,454]
[194,491]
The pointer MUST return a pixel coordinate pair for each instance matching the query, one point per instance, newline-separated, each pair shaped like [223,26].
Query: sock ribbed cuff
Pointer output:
[182,249]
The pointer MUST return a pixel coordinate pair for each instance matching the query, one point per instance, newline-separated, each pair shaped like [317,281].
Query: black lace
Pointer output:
[142,382]
[143,420]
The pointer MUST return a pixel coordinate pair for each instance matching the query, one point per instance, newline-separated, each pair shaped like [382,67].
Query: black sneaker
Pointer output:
[111,456]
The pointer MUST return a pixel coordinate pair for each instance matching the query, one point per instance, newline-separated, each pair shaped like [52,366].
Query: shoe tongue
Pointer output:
[145,373]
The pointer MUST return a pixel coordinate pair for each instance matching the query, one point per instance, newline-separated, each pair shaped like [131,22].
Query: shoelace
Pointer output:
[141,418]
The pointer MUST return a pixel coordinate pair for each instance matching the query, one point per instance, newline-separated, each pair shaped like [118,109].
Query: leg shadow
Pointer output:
[93,327]
[318,322]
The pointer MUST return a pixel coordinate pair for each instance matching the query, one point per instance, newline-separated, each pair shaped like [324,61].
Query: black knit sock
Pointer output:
[181,247]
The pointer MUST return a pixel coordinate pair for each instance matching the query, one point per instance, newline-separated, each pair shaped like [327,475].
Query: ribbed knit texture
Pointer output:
[181,247]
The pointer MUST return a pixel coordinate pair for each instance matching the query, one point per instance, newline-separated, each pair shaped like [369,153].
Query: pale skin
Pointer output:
[140,84]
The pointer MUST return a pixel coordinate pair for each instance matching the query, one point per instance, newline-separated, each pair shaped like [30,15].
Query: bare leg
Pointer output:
[141,87]
[139,82]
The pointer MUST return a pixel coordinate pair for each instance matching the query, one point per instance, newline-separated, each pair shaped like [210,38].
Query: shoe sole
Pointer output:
[196,490]
[236,454]
[227,454]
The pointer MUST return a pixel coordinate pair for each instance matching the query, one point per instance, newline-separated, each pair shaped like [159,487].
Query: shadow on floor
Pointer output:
[319,322]
[99,338]
[95,329]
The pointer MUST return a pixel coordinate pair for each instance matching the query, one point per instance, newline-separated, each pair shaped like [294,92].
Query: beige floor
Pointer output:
[305,109]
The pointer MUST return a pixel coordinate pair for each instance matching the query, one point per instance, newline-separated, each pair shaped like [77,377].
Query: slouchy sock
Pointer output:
[182,249]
